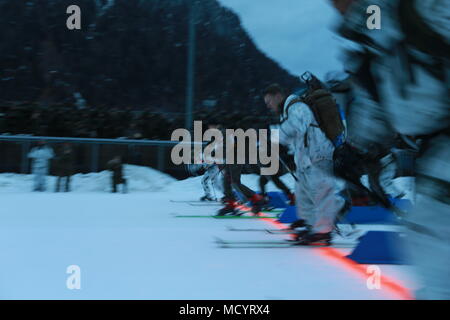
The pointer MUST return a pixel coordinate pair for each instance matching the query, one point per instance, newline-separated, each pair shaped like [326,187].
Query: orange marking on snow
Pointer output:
[387,282]
[332,253]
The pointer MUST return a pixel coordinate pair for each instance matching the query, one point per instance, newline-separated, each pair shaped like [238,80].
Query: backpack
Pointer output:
[324,108]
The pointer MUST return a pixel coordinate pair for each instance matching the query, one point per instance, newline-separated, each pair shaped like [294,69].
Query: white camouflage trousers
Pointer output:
[40,178]
[317,199]
[209,180]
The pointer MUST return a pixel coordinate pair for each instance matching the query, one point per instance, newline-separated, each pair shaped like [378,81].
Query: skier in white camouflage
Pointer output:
[317,191]
[209,181]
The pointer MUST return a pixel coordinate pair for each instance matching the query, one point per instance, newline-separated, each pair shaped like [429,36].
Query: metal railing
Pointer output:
[91,154]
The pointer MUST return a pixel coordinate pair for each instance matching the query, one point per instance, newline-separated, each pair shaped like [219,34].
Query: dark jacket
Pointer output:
[117,169]
[64,162]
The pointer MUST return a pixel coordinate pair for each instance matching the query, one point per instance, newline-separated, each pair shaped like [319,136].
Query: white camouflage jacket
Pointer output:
[41,157]
[300,132]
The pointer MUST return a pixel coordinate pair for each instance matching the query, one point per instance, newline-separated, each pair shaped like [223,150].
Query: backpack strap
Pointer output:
[286,109]
[304,101]
[292,102]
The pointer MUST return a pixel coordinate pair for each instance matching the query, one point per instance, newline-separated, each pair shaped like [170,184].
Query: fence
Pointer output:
[91,155]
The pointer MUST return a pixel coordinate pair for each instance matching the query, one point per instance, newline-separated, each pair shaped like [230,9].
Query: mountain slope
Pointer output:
[129,53]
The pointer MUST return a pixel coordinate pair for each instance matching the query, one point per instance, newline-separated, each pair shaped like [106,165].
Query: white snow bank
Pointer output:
[145,179]
[140,179]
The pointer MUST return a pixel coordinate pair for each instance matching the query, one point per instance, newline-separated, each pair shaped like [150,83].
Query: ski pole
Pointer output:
[288,169]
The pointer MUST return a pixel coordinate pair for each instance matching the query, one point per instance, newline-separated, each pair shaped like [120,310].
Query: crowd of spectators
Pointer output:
[112,123]
[88,123]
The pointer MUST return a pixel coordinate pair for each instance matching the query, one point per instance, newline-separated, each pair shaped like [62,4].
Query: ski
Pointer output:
[194,201]
[348,235]
[205,204]
[260,230]
[245,217]
[278,246]
[224,217]
[279,243]
[261,242]
[280,231]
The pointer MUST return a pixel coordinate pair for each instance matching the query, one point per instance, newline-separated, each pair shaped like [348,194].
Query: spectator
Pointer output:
[64,163]
[115,165]
[41,154]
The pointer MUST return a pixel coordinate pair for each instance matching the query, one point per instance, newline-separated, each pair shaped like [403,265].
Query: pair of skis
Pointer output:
[349,234]
[344,243]
[277,244]
[216,203]
[270,231]
[224,217]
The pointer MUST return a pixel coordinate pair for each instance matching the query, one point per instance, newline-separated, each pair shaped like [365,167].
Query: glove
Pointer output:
[349,163]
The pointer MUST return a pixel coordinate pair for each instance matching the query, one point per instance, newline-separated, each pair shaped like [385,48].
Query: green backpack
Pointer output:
[324,108]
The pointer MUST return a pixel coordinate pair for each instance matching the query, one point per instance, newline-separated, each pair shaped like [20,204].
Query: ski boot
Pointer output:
[314,239]
[266,206]
[230,208]
[300,223]
[291,198]
[299,230]
[207,198]
[257,203]
[223,200]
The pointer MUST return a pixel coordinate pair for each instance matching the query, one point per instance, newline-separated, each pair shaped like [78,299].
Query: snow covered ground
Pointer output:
[130,246]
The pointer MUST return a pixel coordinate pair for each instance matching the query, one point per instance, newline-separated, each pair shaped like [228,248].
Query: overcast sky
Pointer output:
[295,33]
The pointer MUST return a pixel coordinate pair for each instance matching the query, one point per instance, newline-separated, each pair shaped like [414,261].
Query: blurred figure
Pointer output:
[401,85]
[404,154]
[339,84]
[64,163]
[40,155]
[232,183]
[208,181]
[115,165]
[212,173]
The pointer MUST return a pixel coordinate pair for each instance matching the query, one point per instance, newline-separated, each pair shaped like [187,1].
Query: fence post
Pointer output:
[161,159]
[24,161]
[94,158]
